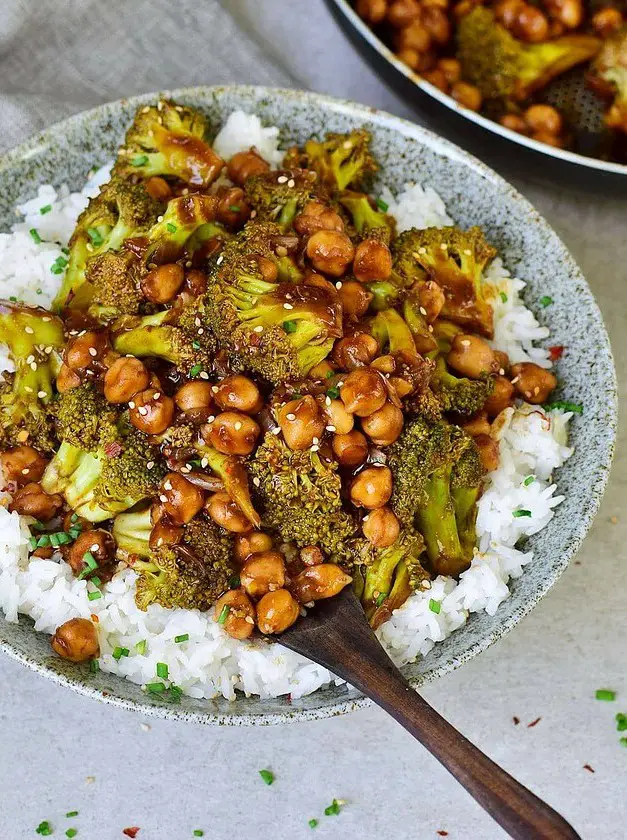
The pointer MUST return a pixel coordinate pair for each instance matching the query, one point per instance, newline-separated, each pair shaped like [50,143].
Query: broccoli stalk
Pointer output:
[189,219]
[364,216]
[340,161]
[132,533]
[234,476]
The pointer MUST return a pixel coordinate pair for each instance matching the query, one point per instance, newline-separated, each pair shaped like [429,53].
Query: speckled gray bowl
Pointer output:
[474,195]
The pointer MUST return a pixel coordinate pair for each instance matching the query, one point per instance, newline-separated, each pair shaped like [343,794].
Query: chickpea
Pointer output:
[381,527]
[151,411]
[67,379]
[236,612]
[451,68]
[262,573]
[502,361]
[233,433]
[126,376]
[471,356]
[507,11]
[410,57]
[195,399]
[477,425]
[158,188]
[162,283]
[330,252]
[488,452]
[239,393]
[401,386]
[277,611]
[467,95]
[414,37]
[532,382]
[437,78]
[385,425]
[549,139]
[22,465]
[437,24]
[30,500]
[245,164]
[384,364]
[83,350]
[253,542]
[223,510]
[372,11]
[317,216]
[233,209]
[430,298]
[164,533]
[363,391]
[338,417]
[568,12]
[515,123]
[301,422]
[372,488]
[181,499]
[372,261]
[543,118]
[501,397]
[195,282]
[355,351]
[311,555]
[350,449]
[355,299]
[101,545]
[76,640]
[402,12]
[606,21]
[317,582]
[321,371]
[531,24]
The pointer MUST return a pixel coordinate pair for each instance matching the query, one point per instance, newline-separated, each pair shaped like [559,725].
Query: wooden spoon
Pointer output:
[337,635]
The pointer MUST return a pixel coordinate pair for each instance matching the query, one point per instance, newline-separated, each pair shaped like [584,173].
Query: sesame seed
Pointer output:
[25,471]
[515,380]
[256,481]
[47,350]
[200,331]
[156,395]
[291,183]
[501,371]
[276,430]
[203,374]
[347,144]
[186,469]
[204,462]
[252,216]
[282,179]
[291,416]
[33,365]
[467,252]
[29,330]
[211,419]
[197,322]
[430,328]
[214,389]
[423,311]
[189,264]
[131,404]
[142,410]
[160,542]
[159,218]
[237,426]
[444,246]
[338,285]
[315,440]
[258,329]
[287,306]
[93,547]
[93,352]
[167,485]
[22,436]
[46,318]
[163,498]
[314,448]
[28,389]
[30,359]
[465,342]
[327,400]
[249,619]
[330,428]
[150,465]
[42,395]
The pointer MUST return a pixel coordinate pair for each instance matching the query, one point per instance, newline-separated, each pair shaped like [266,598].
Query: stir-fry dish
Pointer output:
[501,57]
[251,390]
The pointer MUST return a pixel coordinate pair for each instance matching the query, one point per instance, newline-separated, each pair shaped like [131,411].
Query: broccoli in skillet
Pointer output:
[611,67]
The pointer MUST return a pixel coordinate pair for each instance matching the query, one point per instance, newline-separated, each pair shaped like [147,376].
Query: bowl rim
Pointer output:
[446,149]
[351,16]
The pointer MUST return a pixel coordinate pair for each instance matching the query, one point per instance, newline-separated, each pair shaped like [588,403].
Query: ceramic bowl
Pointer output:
[65,153]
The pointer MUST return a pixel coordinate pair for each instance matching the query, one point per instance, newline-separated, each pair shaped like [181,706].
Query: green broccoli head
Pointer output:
[299,496]
[458,394]
[504,68]
[466,484]
[455,259]
[169,140]
[85,419]
[280,195]
[611,67]
[341,161]
[187,222]
[365,218]
[123,209]
[114,279]
[34,338]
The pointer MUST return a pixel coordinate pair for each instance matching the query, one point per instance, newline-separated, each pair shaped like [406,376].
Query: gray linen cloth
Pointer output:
[58,57]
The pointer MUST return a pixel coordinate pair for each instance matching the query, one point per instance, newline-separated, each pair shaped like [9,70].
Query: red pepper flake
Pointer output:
[131,832]
[516,720]
[94,618]
[442,833]
[113,450]
[534,722]
[588,768]
[556,352]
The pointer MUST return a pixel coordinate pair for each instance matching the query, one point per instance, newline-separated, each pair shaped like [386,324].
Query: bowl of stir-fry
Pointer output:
[259,346]
[548,76]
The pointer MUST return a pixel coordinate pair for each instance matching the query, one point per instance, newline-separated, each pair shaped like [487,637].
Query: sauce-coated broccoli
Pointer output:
[341,161]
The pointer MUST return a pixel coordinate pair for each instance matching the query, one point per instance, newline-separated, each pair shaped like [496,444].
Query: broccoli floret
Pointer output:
[84,418]
[33,337]
[611,67]
[365,218]
[457,393]
[340,161]
[504,68]
[121,210]
[280,195]
[188,221]
[169,140]
[299,496]
[114,278]
[455,259]
[280,330]
[234,477]
[399,334]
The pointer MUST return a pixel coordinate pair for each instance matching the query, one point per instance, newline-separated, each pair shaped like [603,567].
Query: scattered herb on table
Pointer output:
[267,776]
[313,823]
[44,829]
[334,808]
[605,694]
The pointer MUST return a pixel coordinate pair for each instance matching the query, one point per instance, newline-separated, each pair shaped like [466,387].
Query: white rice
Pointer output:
[532,442]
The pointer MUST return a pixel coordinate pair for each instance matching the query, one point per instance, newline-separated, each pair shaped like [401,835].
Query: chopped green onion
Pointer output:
[39,526]
[94,666]
[45,209]
[605,694]
[503,297]
[175,693]
[162,670]
[330,374]
[44,828]
[95,580]
[195,370]
[546,300]
[71,832]
[155,688]
[381,598]
[89,560]
[63,538]
[234,582]
[289,326]
[119,652]
[58,265]
[140,647]
[333,393]
[576,408]
[435,606]
[267,776]
[71,814]
[529,480]
[43,541]
[39,291]
[621,722]
[333,808]
[13,299]
[184,637]
[139,160]
[54,540]
[623,742]
[521,512]
[198,832]
[235,208]
[171,228]
[95,236]
[32,542]
[94,596]
[74,532]
[223,614]
[74,517]
[312,823]
[196,345]
[382,205]
[34,233]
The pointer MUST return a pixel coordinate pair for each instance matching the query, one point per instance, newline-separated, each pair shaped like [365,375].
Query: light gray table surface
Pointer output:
[61,752]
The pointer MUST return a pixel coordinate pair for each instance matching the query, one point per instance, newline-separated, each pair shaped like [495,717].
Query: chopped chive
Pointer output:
[381,598]
[176,693]
[333,808]
[63,538]
[330,374]
[162,670]
[39,526]
[547,300]
[74,517]
[155,688]
[171,228]
[503,297]
[435,606]
[521,512]
[44,828]
[89,560]
[529,480]
[198,832]
[95,580]
[45,209]
[140,647]
[54,540]
[13,299]
[72,813]
[32,542]
[34,233]
[382,205]
[39,291]
[605,694]
[312,823]
[119,652]
[66,251]
[95,236]
[74,533]
[184,637]
[223,614]
[43,541]
[139,160]
[234,582]
[289,326]
[333,393]
[195,370]
[94,596]
[71,832]
[576,408]
[621,722]
[196,345]
[267,776]
[94,666]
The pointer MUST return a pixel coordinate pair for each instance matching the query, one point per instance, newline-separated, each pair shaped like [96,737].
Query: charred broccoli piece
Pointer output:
[114,278]
[455,259]
[341,161]
[365,218]
[280,330]
[187,222]
[122,209]
[457,393]
[504,68]
[298,495]
[279,196]
[169,140]
[33,337]
[611,67]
